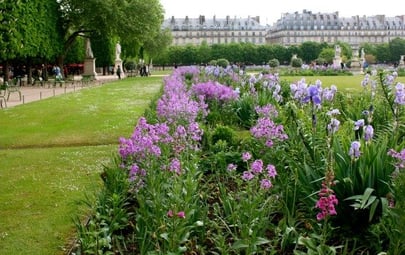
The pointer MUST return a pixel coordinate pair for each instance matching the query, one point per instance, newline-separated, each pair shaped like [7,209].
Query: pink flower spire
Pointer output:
[327,199]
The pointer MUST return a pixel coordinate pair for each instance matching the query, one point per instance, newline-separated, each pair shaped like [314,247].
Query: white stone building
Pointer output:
[296,28]
[216,30]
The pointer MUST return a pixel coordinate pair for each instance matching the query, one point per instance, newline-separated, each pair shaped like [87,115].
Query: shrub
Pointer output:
[130,65]
[213,63]
[222,62]
[223,133]
[274,63]
[296,62]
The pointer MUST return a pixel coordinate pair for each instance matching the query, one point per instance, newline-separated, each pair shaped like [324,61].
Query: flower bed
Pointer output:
[233,164]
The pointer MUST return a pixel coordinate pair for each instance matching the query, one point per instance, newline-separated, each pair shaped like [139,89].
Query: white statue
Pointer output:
[362,54]
[89,52]
[117,51]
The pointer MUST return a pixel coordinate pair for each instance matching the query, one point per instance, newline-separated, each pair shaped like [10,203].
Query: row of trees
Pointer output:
[259,54]
[53,31]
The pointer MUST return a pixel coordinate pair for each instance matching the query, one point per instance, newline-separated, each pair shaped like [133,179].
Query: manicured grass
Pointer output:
[52,152]
[344,83]
[39,193]
[88,117]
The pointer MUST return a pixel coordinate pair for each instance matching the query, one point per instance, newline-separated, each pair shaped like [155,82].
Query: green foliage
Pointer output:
[274,62]
[296,62]
[223,133]
[30,29]
[112,214]
[245,110]
[222,62]
[327,55]
[310,51]
[213,62]
[130,65]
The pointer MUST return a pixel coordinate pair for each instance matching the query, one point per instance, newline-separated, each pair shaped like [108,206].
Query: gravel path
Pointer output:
[37,92]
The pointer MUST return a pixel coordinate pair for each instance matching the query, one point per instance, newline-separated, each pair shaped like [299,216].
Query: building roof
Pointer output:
[308,20]
[203,23]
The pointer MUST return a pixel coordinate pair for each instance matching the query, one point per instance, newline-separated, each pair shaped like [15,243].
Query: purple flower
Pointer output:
[212,90]
[333,126]
[257,166]
[354,150]
[231,167]
[368,133]
[181,214]
[175,166]
[267,111]
[314,94]
[265,184]
[170,214]
[400,94]
[333,112]
[271,171]
[247,176]
[246,156]
[329,93]
[326,203]
[176,104]
[267,130]
[358,124]
[399,156]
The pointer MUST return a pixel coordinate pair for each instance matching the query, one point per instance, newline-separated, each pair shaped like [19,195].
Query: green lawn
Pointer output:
[344,83]
[52,153]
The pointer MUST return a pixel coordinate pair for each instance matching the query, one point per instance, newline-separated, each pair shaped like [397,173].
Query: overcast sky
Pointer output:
[270,11]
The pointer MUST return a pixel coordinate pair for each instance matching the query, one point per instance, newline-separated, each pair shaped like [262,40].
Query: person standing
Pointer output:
[119,72]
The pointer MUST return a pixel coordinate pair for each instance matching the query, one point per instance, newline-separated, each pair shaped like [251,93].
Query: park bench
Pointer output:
[86,80]
[3,93]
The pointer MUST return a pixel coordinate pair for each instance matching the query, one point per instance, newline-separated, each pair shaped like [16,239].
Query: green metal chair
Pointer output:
[14,87]
[3,92]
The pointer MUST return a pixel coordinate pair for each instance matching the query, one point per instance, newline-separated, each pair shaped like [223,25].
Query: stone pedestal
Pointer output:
[355,66]
[118,62]
[89,68]
[337,61]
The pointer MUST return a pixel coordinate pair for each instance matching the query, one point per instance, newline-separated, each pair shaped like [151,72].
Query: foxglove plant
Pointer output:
[327,199]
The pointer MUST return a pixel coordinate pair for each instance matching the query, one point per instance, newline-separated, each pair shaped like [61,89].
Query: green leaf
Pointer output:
[165,236]
[307,242]
[261,241]
[240,244]
[372,209]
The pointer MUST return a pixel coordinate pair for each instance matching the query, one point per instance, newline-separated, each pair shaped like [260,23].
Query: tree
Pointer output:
[29,30]
[383,53]
[397,48]
[204,53]
[327,54]
[132,21]
[310,51]
[346,50]
[157,43]
[281,53]
[368,49]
